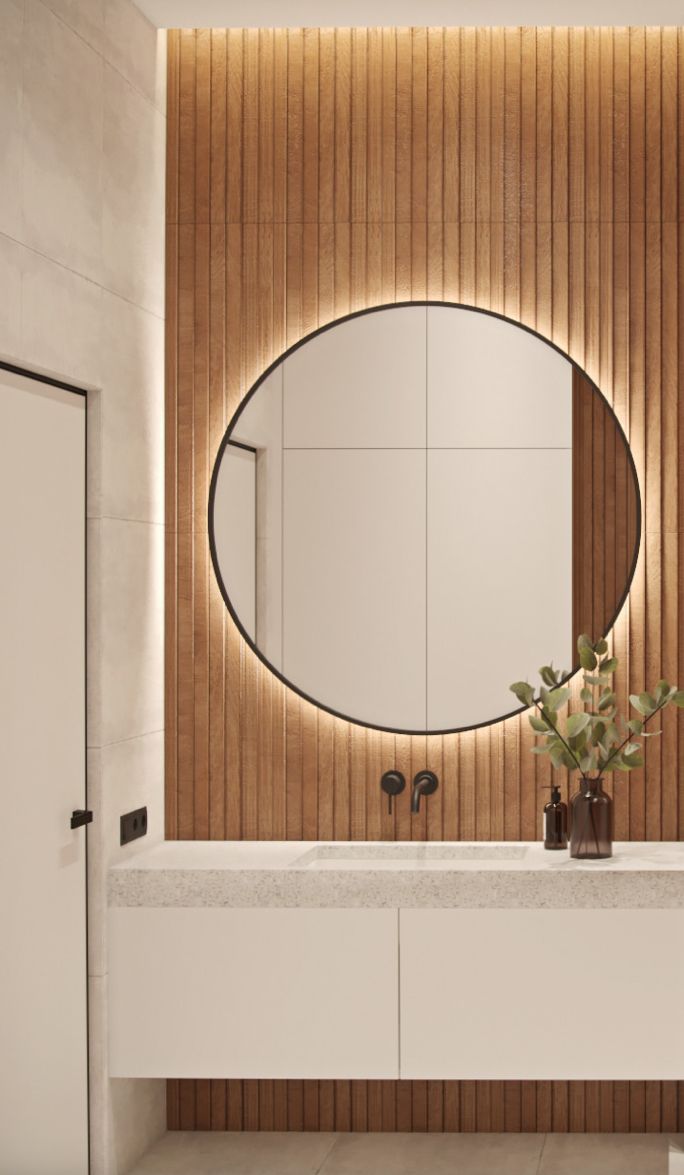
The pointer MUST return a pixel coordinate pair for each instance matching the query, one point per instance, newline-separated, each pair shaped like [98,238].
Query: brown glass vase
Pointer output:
[591,829]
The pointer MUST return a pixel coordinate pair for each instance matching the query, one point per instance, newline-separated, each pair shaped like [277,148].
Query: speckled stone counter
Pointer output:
[397,875]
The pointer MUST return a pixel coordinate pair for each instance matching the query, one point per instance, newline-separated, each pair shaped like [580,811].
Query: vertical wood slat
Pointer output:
[309,173]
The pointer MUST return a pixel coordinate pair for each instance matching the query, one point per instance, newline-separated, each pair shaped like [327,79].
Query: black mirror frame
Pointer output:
[227,440]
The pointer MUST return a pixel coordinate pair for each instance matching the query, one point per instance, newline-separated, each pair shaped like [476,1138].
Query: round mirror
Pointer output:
[415,506]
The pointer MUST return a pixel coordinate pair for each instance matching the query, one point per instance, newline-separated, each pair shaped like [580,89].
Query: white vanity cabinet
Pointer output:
[542,994]
[215,992]
[383,961]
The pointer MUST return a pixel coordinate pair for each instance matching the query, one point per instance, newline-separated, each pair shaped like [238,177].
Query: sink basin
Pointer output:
[420,855]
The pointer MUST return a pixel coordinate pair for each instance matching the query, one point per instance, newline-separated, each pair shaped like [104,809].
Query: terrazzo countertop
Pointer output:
[397,875]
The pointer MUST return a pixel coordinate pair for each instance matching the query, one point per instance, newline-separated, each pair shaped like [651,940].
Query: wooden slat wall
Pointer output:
[604,515]
[531,171]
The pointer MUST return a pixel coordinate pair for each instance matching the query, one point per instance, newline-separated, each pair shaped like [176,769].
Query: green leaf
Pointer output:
[586,694]
[549,675]
[577,723]
[632,760]
[550,716]
[598,730]
[678,698]
[592,680]
[635,725]
[608,666]
[538,724]
[601,647]
[588,762]
[638,704]
[662,688]
[557,698]
[606,702]
[587,658]
[523,692]
[560,757]
[584,642]
[541,749]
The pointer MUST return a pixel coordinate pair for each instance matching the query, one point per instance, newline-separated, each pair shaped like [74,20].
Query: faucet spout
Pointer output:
[424,784]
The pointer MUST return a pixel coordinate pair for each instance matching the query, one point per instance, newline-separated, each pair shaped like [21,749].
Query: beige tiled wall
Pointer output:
[82,135]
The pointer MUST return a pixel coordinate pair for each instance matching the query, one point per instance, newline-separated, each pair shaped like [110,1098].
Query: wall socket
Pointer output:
[133,825]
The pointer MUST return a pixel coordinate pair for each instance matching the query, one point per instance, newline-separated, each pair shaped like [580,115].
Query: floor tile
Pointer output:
[200,1153]
[676,1154]
[605,1154]
[436,1154]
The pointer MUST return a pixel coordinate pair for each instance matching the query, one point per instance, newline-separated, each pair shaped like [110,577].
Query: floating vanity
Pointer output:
[388,960]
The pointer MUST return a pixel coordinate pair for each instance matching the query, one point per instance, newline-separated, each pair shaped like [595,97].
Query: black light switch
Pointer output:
[133,825]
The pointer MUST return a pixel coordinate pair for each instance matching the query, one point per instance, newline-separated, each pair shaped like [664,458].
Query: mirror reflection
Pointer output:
[414,504]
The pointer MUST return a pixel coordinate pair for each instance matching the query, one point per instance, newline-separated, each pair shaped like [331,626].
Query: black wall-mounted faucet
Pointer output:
[392,783]
[425,783]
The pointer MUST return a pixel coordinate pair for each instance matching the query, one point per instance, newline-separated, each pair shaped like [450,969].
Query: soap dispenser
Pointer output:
[555,821]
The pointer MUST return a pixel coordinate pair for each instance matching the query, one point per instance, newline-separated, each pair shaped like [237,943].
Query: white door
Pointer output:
[43,1009]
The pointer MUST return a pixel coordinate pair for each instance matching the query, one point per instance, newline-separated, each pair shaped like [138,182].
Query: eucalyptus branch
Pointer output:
[598,720]
[557,733]
[616,752]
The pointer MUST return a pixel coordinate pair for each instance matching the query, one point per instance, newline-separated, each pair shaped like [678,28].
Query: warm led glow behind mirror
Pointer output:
[417,505]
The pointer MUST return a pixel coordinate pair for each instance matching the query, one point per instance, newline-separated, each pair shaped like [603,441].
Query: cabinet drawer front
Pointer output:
[253,993]
[542,994]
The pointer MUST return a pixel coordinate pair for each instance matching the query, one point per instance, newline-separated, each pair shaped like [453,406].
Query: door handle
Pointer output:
[80,817]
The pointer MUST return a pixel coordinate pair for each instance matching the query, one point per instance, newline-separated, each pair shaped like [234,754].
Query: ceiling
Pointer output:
[371,13]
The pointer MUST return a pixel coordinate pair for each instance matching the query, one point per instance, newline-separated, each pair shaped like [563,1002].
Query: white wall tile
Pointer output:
[132,412]
[133,776]
[125,630]
[130,45]
[361,383]
[93,632]
[61,189]
[11,150]
[60,320]
[101,1141]
[138,1118]
[121,777]
[11,271]
[126,1116]
[133,208]
[98,854]
[161,65]
[85,17]
[131,649]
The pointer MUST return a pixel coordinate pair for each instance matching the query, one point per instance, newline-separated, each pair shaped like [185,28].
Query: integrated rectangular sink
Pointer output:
[420,855]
